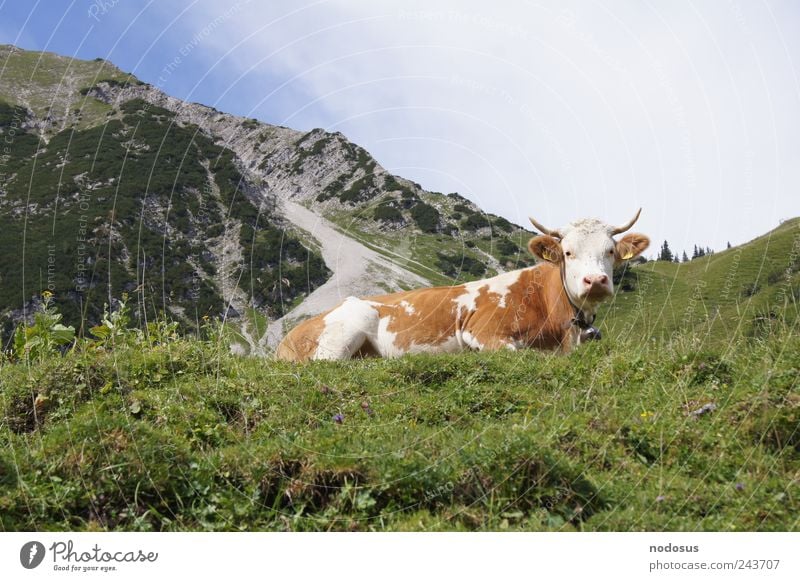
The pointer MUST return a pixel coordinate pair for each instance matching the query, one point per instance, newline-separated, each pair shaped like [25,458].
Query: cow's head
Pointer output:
[588,253]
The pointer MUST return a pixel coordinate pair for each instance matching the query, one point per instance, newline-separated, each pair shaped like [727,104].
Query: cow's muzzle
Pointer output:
[596,287]
[591,334]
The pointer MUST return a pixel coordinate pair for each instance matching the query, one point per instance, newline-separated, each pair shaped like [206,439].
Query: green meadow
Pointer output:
[684,417]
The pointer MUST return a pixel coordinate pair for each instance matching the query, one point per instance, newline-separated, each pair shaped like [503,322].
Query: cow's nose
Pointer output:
[595,279]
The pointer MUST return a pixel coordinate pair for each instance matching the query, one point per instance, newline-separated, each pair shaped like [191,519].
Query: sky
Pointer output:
[557,109]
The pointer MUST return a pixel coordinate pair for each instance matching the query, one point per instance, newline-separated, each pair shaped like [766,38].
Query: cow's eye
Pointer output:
[568,254]
[611,252]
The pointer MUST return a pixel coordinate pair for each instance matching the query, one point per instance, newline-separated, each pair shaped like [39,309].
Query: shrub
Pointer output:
[426,217]
[475,222]
[387,213]
[458,265]
[34,342]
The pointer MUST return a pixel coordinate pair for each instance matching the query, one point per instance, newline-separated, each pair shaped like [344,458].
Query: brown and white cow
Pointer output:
[549,306]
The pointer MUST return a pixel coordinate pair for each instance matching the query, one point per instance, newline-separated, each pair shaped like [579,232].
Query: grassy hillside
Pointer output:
[466,244]
[742,290]
[150,431]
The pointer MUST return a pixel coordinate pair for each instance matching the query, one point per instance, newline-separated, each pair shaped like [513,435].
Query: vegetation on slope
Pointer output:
[149,430]
[743,290]
[50,85]
[133,205]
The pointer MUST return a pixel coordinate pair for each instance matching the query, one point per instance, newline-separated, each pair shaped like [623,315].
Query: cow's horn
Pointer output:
[543,230]
[621,229]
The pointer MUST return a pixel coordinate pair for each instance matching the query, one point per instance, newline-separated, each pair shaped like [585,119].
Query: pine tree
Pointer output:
[684,258]
[729,243]
[695,254]
[666,253]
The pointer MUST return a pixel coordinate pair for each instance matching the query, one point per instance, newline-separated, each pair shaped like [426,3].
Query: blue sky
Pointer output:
[558,109]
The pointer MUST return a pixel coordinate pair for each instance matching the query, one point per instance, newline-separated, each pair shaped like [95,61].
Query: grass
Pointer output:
[677,420]
[179,435]
[737,291]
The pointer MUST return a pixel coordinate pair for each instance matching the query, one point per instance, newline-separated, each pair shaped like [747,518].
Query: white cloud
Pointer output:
[559,109]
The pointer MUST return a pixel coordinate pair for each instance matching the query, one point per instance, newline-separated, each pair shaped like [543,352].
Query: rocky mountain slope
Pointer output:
[110,186]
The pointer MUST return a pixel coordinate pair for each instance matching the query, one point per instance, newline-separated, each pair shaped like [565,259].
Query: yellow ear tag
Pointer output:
[628,255]
[548,256]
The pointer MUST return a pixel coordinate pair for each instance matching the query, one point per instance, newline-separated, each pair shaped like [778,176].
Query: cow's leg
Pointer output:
[487,342]
[347,328]
[498,344]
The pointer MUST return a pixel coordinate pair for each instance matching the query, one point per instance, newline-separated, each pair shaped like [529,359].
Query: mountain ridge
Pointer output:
[427,236]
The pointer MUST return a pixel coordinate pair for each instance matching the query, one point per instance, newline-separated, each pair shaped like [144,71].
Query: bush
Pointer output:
[507,248]
[475,222]
[426,217]
[33,343]
[455,266]
[387,213]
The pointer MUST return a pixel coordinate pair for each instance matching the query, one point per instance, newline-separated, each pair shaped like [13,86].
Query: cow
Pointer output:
[550,306]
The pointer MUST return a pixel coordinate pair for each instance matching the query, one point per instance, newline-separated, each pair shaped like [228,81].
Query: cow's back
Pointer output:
[524,308]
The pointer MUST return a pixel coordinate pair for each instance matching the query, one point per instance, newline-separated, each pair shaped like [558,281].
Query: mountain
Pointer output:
[108,186]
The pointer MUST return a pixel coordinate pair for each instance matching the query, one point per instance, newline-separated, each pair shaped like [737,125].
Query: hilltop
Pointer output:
[742,290]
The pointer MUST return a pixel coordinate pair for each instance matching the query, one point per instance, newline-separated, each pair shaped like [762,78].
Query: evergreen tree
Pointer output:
[729,244]
[695,254]
[684,258]
[666,253]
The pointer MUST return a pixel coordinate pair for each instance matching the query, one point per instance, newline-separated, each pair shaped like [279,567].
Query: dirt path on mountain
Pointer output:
[357,271]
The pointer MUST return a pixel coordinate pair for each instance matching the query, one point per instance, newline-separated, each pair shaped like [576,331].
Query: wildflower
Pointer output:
[739,486]
[47,295]
[645,415]
[338,418]
[661,498]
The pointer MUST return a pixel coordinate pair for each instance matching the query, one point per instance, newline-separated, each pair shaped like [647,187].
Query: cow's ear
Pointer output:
[631,246]
[546,248]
